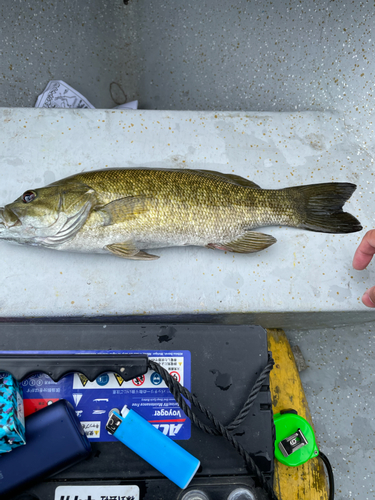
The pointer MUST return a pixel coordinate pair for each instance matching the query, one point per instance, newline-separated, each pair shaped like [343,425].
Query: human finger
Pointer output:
[365,251]
[369,297]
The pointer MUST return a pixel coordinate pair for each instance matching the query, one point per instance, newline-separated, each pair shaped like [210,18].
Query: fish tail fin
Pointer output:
[320,207]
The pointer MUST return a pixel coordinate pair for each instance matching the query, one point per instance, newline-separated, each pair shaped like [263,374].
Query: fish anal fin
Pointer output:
[123,209]
[128,250]
[248,242]
[233,179]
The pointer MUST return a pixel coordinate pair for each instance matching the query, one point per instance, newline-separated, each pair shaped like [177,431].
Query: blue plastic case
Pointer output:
[55,440]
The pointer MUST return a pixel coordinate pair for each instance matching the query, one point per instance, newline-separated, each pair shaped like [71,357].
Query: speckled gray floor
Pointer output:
[219,55]
[339,388]
[83,43]
[243,55]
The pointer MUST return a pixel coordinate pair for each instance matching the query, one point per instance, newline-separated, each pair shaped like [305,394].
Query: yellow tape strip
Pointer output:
[307,481]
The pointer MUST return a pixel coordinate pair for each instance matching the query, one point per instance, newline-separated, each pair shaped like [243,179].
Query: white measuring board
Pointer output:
[306,279]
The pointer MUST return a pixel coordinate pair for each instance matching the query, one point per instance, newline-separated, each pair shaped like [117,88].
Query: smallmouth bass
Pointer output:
[127,211]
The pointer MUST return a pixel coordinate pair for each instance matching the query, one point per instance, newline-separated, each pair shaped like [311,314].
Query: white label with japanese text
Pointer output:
[92,429]
[89,492]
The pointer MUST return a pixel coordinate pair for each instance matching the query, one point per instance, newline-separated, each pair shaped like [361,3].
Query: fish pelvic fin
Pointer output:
[128,250]
[248,242]
[320,207]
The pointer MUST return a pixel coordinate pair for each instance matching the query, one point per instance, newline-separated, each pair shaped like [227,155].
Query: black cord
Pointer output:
[330,475]
[218,428]
[252,396]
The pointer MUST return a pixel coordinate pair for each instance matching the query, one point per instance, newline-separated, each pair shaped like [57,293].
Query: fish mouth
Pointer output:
[8,219]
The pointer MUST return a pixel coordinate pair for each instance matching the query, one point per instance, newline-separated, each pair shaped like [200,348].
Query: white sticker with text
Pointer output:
[89,492]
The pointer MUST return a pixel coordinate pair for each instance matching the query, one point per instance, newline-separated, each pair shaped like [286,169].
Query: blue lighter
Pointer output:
[158,450]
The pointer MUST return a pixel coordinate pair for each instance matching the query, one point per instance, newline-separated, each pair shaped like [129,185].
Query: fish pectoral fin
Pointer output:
[123,209]
[128,250]
[233,179]
[249,242]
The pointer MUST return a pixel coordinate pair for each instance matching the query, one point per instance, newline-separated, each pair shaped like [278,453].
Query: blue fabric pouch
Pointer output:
[12,420]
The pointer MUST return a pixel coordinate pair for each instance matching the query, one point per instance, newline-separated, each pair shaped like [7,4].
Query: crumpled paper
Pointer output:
[59,94]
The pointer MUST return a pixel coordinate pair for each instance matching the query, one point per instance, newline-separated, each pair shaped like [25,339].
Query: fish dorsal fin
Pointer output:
[233,179]
[128,250]
[241,181]
[247,243]
[123,209]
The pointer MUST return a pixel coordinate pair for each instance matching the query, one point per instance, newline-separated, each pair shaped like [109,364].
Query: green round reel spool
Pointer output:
[295,440]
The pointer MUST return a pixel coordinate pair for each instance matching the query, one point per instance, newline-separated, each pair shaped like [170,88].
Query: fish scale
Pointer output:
[209,204]
[127,211]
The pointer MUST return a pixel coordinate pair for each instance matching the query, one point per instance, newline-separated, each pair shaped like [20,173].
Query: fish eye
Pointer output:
[28,196]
